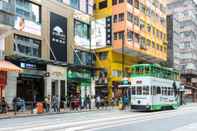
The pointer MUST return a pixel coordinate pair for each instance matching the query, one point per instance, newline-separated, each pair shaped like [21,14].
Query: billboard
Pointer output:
[98,32]
[101,33]
[58,37]
[27,26]
[30,23]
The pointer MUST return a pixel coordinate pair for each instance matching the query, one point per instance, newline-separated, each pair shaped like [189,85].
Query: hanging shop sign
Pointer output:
[78,75]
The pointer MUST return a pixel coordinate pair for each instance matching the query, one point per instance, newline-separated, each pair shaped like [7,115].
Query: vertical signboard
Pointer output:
[58,37]
[101,32]
[109,30]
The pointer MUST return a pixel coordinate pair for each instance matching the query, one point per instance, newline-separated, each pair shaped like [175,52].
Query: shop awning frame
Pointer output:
[9,67]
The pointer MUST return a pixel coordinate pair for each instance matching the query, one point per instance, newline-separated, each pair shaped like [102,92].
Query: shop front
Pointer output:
[101,88]
[56,82]
[6,70]
[30,83]
[79,85]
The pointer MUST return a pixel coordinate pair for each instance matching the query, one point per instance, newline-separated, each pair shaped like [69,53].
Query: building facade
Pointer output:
[138,35]
[7,70]
[46,36]
[185,12]
[173,35]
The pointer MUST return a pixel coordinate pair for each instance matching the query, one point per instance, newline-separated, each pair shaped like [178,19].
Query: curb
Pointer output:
[48,114]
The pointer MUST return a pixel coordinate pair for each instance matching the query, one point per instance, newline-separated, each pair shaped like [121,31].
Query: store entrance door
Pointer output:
[30,88]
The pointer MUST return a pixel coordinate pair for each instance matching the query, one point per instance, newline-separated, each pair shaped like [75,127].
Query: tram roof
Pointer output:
[156,65]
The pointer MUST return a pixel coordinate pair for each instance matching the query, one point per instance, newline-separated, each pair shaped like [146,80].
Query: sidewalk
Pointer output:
[29,113]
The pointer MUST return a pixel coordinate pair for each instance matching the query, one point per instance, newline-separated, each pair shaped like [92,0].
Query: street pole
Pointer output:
[123,73]
[123,61]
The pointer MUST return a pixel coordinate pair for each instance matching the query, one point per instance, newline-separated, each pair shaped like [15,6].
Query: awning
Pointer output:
[7,66]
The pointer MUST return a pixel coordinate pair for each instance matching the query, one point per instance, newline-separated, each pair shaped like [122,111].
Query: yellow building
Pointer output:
[138,32]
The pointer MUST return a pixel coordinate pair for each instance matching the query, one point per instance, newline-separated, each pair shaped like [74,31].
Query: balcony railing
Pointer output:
[8,7]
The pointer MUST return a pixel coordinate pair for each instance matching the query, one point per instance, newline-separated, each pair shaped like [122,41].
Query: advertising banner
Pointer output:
[22,24]
[101,33]
[58,37]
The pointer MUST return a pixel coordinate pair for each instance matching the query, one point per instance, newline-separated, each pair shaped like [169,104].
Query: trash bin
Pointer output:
[39,107]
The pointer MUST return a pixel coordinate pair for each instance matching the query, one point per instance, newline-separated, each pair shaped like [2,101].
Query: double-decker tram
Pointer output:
[154,87]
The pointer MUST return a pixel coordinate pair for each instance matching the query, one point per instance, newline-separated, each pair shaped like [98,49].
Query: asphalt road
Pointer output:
[182,119]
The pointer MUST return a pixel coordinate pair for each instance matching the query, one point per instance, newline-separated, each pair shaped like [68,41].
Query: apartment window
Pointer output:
[103,4]
[27,46]
[157,46]
[114,2]
[115,36]
[129,17]
[74,3]
[142,24]
[142,8]
[103,55]
[153,29]
[161,48]
[148,27]
[136,37]
[130,2]
[121,17]
[115,18]
[121,35]
[142,43]
[136,20]
[121,1]
[153,44]
[130,35]
[136,4]
[148,42]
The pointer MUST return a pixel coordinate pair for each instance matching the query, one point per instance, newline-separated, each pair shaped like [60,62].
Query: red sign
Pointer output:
[3,78]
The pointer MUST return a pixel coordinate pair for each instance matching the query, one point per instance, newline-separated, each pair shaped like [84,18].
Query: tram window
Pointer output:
[139,90]
[147,70]
[158,90]
[165,91]
[153,90]
[133,90]
[172,92]
[169,91]
[145,90]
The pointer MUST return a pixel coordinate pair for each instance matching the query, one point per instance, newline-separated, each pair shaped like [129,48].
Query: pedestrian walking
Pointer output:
[46,104]
[54,104]
[98,101]
[4,105]
[88,102]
